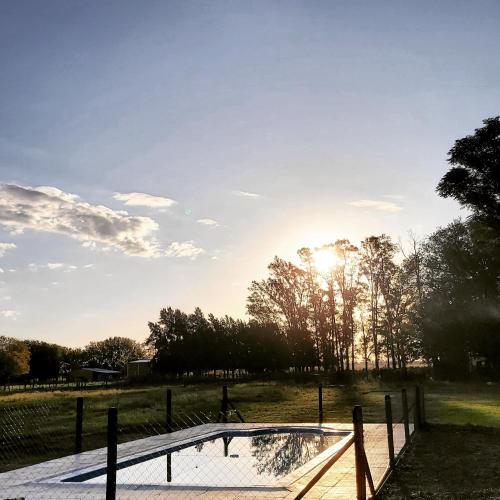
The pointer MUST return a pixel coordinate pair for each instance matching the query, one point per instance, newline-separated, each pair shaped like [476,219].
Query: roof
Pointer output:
[101,370]
[140,361]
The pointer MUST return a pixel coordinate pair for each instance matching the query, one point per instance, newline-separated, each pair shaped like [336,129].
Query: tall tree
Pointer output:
[474,178]
[282,299]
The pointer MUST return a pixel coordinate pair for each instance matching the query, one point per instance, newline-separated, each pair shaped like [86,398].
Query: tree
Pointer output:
[474,179]
[45,360]
[113,353]
[282,299]
[459,313]
[14,358]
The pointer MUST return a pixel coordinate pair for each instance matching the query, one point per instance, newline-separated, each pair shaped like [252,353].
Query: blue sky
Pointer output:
[336,116]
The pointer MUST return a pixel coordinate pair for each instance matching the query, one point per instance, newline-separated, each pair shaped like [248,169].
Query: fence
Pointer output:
[32,434]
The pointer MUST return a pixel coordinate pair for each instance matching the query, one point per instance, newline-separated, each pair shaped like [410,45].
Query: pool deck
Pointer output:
[41,481]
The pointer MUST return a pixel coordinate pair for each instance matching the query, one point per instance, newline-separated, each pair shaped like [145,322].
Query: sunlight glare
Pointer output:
[324,260]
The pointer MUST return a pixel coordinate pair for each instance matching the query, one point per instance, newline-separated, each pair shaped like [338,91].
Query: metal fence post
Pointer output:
[320,402]
[225,405]
[169,410]
[390,435]
[418,409]
[406,420]
[79,425]
[357,420]
[112,454]
[422,397]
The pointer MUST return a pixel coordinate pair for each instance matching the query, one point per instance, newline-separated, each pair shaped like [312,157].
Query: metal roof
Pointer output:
[100,370]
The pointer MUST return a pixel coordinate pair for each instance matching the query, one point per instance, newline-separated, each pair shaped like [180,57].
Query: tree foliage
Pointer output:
[474,179]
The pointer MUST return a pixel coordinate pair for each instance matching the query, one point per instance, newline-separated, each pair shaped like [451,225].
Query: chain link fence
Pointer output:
[84,449]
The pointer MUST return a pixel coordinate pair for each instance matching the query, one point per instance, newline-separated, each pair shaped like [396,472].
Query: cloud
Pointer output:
[208,222]
[55,265]
[184,249]
[51,210]
[9,313]
[247,194]
[144,200]
[6,246]
[384,206]
[52,266]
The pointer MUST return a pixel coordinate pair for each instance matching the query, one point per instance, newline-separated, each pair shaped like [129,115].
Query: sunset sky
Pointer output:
[161,153]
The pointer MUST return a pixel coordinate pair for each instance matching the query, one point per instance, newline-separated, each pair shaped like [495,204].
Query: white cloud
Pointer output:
[384,206]
[55,265]
[52,266]
[208,222]
[51,210]
[9,313]
[247,194]
[144,200]
[6,246]
[88,266]
[184,249]
[6,297]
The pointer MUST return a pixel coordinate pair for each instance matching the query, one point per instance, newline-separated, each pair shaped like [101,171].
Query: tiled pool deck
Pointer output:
[33,482]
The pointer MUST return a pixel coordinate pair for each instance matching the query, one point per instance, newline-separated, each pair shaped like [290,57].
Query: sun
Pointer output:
[324,260]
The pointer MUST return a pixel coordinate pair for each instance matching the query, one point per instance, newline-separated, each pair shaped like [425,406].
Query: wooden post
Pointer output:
[320,402]
[390,435]
[79,425]
[406,419]
[418,409]
[224,407]
[112,454]
[169,410]
[359,456]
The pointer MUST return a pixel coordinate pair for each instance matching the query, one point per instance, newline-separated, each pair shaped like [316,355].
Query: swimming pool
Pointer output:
[233,458]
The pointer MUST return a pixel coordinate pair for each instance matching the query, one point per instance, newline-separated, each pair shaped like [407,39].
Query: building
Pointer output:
[139,368]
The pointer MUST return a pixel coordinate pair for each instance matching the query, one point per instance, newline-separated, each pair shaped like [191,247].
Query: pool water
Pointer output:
[231,459]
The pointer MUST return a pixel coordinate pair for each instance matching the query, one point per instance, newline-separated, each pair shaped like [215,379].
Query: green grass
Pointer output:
[40,425]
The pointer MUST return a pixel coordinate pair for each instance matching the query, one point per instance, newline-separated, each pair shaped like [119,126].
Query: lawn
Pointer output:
[35,426]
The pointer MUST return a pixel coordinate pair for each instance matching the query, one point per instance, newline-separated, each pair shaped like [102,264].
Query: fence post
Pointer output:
[169,410]
[390,435]
[418,409]
[357,420]
[79,425]
[406,419]
[225,405]
[112,454]
[422,397]
[320,402]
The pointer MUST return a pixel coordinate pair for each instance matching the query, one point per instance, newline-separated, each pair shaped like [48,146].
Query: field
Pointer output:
[36,426]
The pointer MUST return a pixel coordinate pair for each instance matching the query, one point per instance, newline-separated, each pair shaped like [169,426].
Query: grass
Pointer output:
[449,462]
[36,426]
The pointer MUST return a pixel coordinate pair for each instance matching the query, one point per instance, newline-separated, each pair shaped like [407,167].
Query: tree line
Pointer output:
[30,361]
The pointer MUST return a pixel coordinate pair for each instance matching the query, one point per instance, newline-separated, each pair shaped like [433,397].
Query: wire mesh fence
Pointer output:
[62,450]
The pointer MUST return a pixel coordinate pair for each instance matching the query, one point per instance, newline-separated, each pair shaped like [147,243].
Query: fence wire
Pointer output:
[180,455]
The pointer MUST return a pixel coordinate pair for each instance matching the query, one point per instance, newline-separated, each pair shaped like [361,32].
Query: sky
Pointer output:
[160,153]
